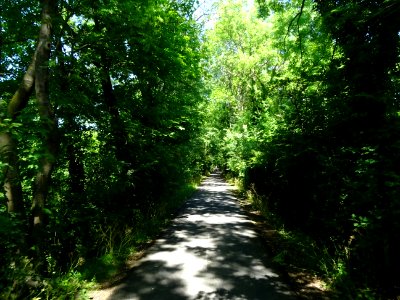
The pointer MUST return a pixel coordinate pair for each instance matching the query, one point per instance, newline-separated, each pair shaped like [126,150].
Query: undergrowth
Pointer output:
[297,251]
[118,249]
[115,244]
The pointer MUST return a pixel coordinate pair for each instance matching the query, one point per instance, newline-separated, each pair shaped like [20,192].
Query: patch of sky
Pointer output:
[206,13]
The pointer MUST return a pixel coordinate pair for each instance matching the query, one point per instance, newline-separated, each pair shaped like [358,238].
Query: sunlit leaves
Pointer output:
[267,71]
[115,144]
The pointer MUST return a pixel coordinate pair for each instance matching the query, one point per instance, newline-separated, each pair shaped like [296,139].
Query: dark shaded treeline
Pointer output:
[313,127]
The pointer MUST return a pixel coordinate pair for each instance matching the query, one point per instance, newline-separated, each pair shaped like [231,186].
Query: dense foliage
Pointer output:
[306,99]
[101,135]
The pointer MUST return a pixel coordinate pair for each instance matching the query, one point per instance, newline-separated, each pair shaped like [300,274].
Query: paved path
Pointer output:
[209,252]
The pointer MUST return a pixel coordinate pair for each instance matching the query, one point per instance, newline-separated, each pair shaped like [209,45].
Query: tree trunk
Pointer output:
[12,183]
[8,150]
[48,120]
[76,171]
[119,135]
[74,154]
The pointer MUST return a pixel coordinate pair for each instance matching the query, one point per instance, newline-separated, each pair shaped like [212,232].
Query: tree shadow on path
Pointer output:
[211,251]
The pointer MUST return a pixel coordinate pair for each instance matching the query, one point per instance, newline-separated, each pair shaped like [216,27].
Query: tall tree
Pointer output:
[46,113]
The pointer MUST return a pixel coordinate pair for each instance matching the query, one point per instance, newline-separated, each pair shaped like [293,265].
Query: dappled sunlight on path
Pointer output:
[210,252]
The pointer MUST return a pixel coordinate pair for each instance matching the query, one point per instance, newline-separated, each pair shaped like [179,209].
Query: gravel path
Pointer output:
[210,252]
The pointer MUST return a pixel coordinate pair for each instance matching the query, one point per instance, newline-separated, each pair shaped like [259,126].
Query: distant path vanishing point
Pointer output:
[210,252]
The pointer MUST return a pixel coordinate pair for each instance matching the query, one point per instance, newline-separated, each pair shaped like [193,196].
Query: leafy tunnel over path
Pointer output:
[111,112]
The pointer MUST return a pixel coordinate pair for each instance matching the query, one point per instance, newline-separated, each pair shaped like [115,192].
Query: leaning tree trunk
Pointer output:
[48,120]
[8,151]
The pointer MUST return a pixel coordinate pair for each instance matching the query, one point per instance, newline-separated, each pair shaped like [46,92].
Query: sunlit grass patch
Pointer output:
[102,268]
